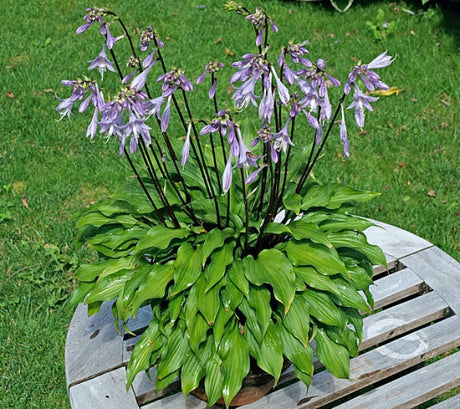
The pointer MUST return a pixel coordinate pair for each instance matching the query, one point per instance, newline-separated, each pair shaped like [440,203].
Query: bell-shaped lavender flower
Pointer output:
[165,116]
[135,128]
[360,102]
[147,37]
[227,175]
[281,138]
[174,80]
[92,16]
[370,78]
[343,134]
[80,89]
[102,63]
[186,147]
[211,68]
[258,19]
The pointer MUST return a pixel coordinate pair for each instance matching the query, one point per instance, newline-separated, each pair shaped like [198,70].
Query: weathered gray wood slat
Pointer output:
[396,287]
[107,391]
[413,389]
[93,345]
[402,318]
[440,271]
[395,242]
[450,403]
[368,368]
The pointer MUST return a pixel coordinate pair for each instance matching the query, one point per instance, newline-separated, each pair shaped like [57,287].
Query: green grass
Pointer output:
[49,171]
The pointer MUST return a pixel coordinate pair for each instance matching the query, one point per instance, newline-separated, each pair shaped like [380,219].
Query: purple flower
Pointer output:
[186,147]
[227,175]
[245,94]
[102,63]
[361,101]
[370,78]
[211,68]
[173,80]
[92,15]
[281,138]
[258,19]
[135,128]
[80,89]
[139,81]
[267,105]
[343,134]
[148,36]
[166,115]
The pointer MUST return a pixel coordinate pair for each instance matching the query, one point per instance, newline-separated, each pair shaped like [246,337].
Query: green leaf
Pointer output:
[231,296]
[234,352]
[89,272]
[316,280]
[337,222]
[358,241]
[191,373]
[148,344]
[215,239]
[323,309]
[213,381]
[293,202]
[349,297]
[345,337]
[297,320]
[220,326]
[97,219]
[303,230]
[124,301]
[187,267]
[154,285]
[237,277]
[270,358]
[317,196]
[208,301]
[176,349]
[325,260]
[334,357]
[274,268]
[277,228]
[159,237]
[215,270]
[109,287]
[197,332]
[301,355]
[345,194]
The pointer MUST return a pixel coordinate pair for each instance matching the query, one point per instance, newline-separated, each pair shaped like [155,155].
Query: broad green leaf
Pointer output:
[345,337]
[220,259]
[274,268]
[334,357]
[297,320]
[359,276]
[349,297]
[317,196]
[197,332]
[234,352]
[237,277]
[323,259]
[191,307]
[213,380]
[148,344]
[78,295]
[300,355]
[214,240]
[175,351]
[175,306]
[118,238]
[191,373]
[345,194]
[154,285]
[108,288]
[187,267]
[259,301]
[124,301]
[220,325]
[323,309]
[277,228]
[302,230]
[159,237]
[231,296]
[358,241]
[208,301]
[97,219]
[293,202]
[270,358]
[316,280]
[338,222]
[162,383]
[89,272]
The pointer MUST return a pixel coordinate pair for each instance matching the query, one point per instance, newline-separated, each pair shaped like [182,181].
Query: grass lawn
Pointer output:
[49,171]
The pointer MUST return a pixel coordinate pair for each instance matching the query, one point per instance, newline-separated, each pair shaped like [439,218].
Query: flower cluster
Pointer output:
[291,89]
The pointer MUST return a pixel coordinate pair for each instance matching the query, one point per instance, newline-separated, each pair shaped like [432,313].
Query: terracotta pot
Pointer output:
[255,385]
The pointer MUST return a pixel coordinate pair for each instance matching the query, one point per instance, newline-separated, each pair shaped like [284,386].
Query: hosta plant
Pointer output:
[241,255]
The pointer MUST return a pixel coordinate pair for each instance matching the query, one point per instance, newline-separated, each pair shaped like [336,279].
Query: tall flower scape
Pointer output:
[242,257]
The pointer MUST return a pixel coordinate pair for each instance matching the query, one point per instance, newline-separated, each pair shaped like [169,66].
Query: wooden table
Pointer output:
[418,318]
